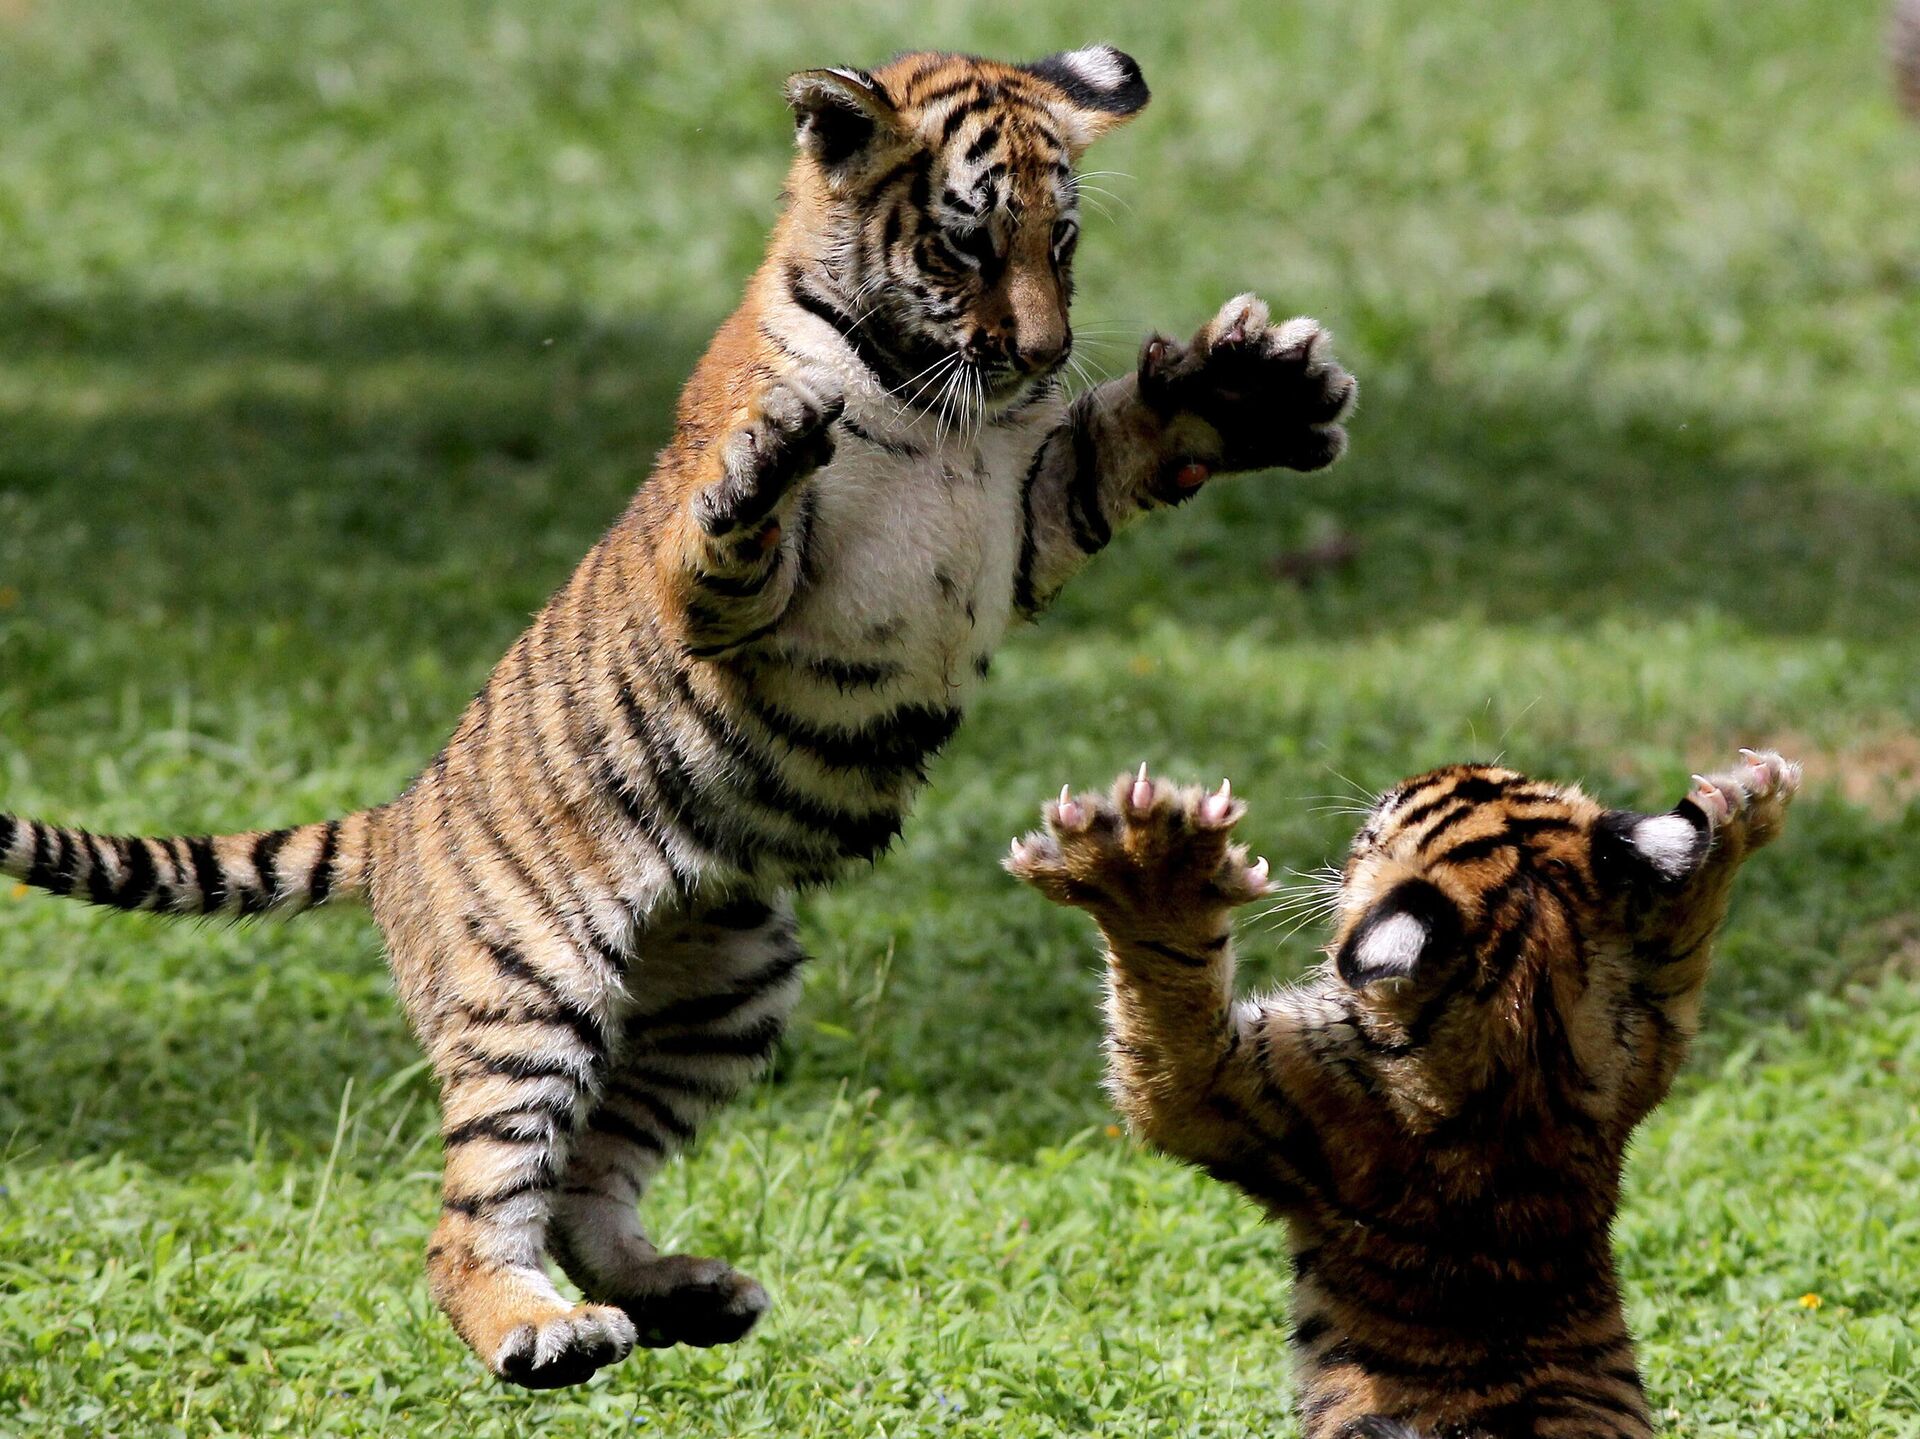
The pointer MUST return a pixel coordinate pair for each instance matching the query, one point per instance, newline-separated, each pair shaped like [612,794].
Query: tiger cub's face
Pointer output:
[936,202]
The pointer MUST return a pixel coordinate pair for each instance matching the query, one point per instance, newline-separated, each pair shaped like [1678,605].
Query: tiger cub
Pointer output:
[1440,1112]
[876,468]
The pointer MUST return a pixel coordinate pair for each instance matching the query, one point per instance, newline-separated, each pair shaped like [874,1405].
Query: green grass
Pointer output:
[331,335]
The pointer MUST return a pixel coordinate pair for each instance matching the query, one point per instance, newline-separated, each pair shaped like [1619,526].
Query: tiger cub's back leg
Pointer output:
[711,1000]
[516,1017]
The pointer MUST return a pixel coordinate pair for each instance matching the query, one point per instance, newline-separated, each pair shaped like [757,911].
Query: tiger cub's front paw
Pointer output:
[1150,858]
[1271,395]
[784,435]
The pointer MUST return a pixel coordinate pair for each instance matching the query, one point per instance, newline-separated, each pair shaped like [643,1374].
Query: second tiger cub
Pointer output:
[1441,1113]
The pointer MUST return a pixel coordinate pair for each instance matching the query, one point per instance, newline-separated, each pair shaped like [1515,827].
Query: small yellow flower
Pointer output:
[9,597]
[1810,1301]
[1113,1131]
[19,891]
[1141,666]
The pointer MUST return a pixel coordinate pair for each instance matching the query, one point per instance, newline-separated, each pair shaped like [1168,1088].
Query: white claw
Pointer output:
[1066,792]
[1258,874]
[1141,795]
[1018,851]
[1215,808]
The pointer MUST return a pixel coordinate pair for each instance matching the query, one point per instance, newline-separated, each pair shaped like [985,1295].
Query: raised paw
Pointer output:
[1264,395]
[784,436]
[565,1349]
[1748,800]
[1152,857]
[680,1299]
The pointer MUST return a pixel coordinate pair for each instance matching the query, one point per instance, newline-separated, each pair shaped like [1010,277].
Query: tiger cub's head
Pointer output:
[935,211]
[1499,923]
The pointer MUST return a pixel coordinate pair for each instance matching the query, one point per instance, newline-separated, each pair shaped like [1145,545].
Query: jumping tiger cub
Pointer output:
[1441,1111]
[876,468]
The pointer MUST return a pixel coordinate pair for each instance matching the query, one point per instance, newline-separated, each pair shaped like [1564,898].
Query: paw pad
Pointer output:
[1150,853]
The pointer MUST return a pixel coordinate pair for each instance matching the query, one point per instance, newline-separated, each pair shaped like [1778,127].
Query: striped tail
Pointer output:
[228,874]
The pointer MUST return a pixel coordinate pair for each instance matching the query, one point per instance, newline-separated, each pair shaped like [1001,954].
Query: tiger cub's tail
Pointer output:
[229,874]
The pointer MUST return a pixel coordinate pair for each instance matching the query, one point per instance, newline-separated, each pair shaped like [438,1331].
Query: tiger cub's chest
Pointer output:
[910,564]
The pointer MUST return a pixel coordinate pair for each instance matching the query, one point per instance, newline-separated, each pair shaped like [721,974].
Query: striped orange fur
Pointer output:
[875,470]
[1440,1113]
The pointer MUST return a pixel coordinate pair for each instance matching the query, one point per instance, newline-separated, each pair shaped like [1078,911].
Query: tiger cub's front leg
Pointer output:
[1156,866]
[749,522]
[1244,394]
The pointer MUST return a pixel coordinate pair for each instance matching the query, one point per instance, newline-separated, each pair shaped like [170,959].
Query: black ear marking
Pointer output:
[1663,849]
[1401,933]
[838,112]
[1096,77]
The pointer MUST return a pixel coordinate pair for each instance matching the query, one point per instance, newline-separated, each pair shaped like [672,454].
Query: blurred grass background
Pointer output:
[331,335]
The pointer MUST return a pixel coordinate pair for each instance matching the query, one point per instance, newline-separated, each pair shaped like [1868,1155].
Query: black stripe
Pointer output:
[756,1041]
[207,875]
[620,1127]
[658,1114]
[505,1126]
[474,1204]
[140,879]
[320,881]
[673,783]
[714,1091]
[737,588]
[1475,789]
[1444,823]
[743,913]
[9,827]
[265,850]
[869,352]
[857,834]
[99,890]
[1179,956]
[560,1010]
[62,864]
[619,789]
[521,1066]
[901,741]
[708,1009]
[1472,849]
[1084,516]
[715,650]
[983,142]
[1023,596]
[849,675]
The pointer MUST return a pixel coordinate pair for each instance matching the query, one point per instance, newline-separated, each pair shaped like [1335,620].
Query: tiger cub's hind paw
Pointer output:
[1150,856]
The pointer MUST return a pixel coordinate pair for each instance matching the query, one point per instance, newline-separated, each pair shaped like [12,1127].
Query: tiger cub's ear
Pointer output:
[1404,932]
[1100,87]
[840,114]
[1664,848]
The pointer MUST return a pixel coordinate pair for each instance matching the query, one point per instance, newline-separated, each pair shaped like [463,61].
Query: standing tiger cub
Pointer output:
[586,895]
[1440,1113]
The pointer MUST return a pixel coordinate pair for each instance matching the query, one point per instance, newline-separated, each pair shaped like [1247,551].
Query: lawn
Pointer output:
[331,335]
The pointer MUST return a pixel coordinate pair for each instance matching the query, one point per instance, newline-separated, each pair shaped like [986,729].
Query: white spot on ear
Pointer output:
[1391,947]
[1667,842]
[1098,66]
